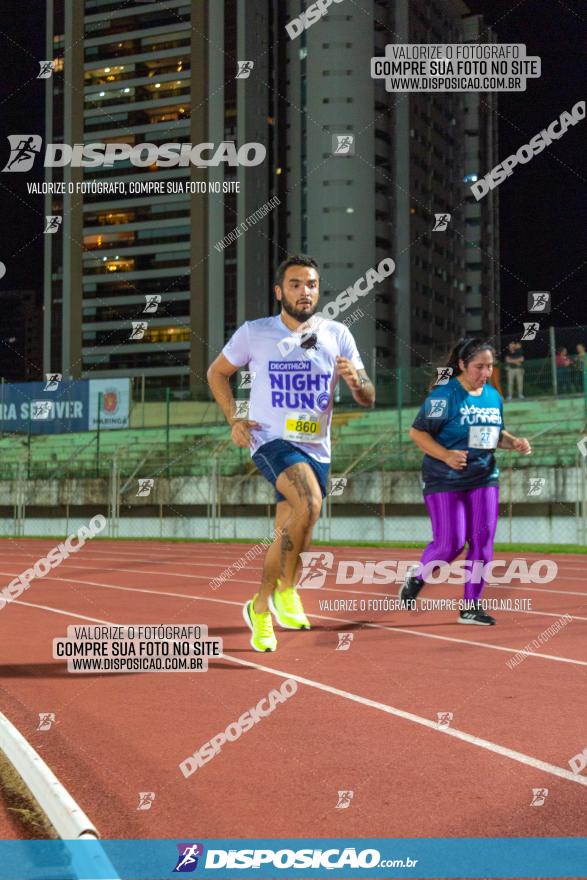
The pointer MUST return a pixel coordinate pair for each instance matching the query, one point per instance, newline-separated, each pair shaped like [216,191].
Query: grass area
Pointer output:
[22,806]
[406,545]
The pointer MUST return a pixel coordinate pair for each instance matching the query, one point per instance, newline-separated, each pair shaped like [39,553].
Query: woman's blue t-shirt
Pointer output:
[460,420]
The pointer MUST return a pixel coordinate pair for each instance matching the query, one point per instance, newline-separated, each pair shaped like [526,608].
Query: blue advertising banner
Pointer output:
[335,858]
[59,407]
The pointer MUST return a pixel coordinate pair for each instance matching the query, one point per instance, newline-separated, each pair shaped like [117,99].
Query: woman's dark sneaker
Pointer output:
[410,588]
[474,613]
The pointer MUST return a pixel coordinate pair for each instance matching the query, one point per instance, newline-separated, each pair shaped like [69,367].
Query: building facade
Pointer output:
[158,72]
[408,166]
[154,73]
[482,293]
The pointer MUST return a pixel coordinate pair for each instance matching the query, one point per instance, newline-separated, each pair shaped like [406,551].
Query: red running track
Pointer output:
[363,720]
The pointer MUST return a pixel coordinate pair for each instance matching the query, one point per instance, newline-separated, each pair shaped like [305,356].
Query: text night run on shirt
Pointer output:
[298,390]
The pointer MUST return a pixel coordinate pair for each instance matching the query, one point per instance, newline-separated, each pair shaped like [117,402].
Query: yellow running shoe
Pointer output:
[287,607]
[261,625]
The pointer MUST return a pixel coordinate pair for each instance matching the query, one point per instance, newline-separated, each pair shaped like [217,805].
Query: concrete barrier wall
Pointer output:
[561,486]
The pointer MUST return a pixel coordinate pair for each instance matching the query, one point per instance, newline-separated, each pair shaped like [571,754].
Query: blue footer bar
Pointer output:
[515,857]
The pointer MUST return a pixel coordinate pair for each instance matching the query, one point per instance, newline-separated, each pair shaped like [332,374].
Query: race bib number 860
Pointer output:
[303,427]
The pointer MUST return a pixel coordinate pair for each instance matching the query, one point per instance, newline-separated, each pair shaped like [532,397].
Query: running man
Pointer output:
[458,428]
[296,360]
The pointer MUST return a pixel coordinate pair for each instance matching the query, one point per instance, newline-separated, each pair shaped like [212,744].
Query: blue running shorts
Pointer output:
[274,457]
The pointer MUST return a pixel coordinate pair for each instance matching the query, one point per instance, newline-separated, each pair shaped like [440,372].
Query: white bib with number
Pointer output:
[304,427]
[483,437]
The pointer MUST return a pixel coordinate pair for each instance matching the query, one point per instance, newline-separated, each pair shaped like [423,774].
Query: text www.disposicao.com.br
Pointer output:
[134,664]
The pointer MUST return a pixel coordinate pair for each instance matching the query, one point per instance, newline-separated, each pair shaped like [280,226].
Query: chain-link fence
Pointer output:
[176,474]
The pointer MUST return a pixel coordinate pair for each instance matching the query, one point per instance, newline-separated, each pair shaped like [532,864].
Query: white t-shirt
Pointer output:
[292,393]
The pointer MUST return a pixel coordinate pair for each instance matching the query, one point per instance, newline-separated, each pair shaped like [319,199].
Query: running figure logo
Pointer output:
[241,409]
[539,301]
[46,71]
[338,485]
[42,410]
[46,719]
[536,485]
[152,302]
[53,380]
[344,641]
[343,145]
[344,800]
[146,799]
[246,380]
[145,487]
[444,719]
[315,565]
[539,795]
[187,861]
[24,150]
[441,222]
[437,408]
[530,330]
[244,69]
[444,374]
[53,222]
[138,329]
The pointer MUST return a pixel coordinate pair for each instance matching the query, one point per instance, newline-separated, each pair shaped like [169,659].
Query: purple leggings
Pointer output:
[463,517]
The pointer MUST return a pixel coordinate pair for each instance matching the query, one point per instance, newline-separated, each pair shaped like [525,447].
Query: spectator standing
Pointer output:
[514,360]
[563,370]
[580,365]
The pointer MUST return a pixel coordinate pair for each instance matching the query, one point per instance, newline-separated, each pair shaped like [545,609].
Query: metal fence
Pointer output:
[176,474]
[396,388]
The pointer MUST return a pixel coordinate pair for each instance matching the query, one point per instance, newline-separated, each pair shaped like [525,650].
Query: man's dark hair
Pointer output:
[294,260]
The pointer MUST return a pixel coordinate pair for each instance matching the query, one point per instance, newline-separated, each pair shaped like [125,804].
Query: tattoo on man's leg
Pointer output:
[298,478]
[286,545]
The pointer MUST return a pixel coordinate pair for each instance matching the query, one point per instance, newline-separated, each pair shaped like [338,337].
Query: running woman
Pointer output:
[296,360]
[458,427]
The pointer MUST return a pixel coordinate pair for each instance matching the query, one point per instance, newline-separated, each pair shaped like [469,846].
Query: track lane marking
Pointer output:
[488,745]
[255,583]
[400,630]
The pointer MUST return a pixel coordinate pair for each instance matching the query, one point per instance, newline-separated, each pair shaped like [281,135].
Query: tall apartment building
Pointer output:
[409,164]
[482,295]
[155,72]
[165,71]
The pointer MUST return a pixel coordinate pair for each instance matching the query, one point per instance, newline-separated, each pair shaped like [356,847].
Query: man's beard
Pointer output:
[298,314]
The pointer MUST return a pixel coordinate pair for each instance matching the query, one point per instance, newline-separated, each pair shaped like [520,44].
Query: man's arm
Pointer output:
[364,394]
[358,381]
[218,375]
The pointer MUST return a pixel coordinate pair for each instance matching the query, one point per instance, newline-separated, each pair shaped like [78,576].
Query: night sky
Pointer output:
[542,204]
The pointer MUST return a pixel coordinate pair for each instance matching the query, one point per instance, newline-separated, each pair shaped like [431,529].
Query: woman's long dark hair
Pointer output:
[465,350]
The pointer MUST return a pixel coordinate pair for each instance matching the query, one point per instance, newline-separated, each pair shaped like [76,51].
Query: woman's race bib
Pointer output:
[484,437]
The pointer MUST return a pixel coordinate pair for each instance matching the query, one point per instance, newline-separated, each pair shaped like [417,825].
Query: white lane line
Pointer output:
[394,629]
[183,550]
[216,559]
[181,574]
[486,744]
[424,722]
